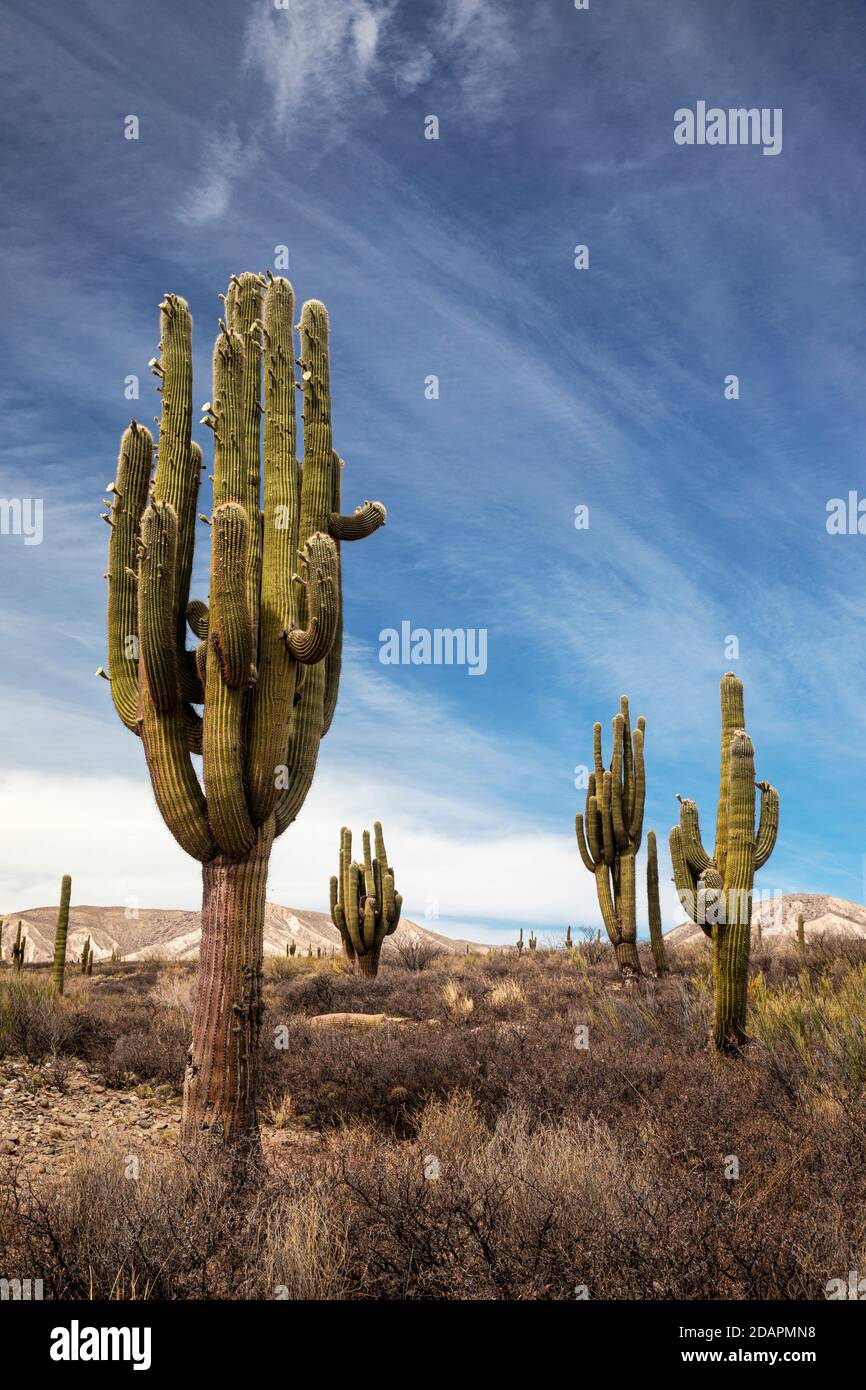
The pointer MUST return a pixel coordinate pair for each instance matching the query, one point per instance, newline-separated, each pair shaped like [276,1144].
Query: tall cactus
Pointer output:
[365,907]
[654,907]
[716,892]
[609,837]
[267,666]
[60,932]
[87,958]
[18,946]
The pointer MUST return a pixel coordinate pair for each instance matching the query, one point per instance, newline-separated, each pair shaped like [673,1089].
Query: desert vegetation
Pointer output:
[517,1125]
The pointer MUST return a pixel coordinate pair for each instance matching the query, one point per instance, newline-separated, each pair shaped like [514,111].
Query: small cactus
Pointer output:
[801,931]
[87,958]
[654,907]
[61,930]
[520,942]
[533,941]
[568,941]
[365,907]
[18,950]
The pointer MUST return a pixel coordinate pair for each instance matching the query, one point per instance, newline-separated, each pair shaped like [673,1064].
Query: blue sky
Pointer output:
[558,387]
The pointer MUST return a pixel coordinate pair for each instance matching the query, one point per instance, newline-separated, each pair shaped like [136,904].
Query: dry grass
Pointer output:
[485,1155]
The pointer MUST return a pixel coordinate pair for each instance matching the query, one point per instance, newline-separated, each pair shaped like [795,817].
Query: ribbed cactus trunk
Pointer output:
[716,892]
[609,836]
[654,907]
[60,933]
[267,665]
[221,1073]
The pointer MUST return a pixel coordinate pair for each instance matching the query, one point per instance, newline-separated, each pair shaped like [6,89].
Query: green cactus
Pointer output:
[87,958]
[60,932]
[520,942]
[267,666]
[533,941]
[716,892]
[18,950]
[610,837]
[801,931]
[568,941]
[310,951]
[365,907]
[654,907]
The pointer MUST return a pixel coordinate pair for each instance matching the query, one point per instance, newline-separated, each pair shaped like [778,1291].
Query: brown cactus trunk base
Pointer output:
[368,964]
[219,1099]
[628,960]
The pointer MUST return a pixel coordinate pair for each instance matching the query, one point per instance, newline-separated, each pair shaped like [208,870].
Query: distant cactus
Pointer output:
[18,950]
[609,837]
[292,948]
[533,941]
[520,941]
[365,907]
[60,932]
[310,950]
[87,958]
[654,907]
[717,892]
[568,941]
[801,931]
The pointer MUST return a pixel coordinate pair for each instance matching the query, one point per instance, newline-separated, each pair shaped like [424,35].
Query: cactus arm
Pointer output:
[273,706]
[130,499]
[362,523]
[625,739]
[178,471]
[156,584]
[164,730]
[244,308]
[684,877]
[585,855]
[608,847]
[635,827]
[618,790]
[224,769]
[693,849]
[733,718]
[229,625]
[312,644]
[768,824]
[198,617]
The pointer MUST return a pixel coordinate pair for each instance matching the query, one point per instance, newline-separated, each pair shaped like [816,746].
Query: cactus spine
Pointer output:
[609,837]
[18,946]
[60,933]
[717,892]
[654,907]
[801,931]
[365,907]
[267,666]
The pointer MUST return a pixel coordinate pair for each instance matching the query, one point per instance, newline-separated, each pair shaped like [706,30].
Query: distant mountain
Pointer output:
[175,935]
[823,916]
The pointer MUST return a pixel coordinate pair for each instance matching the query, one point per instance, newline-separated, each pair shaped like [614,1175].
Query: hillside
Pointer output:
[174,935]
[823,916]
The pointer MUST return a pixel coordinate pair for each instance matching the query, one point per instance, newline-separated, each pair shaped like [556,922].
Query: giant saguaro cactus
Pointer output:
[365,908]
[60,933]
[610,836]
[267,665]
[716,892]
